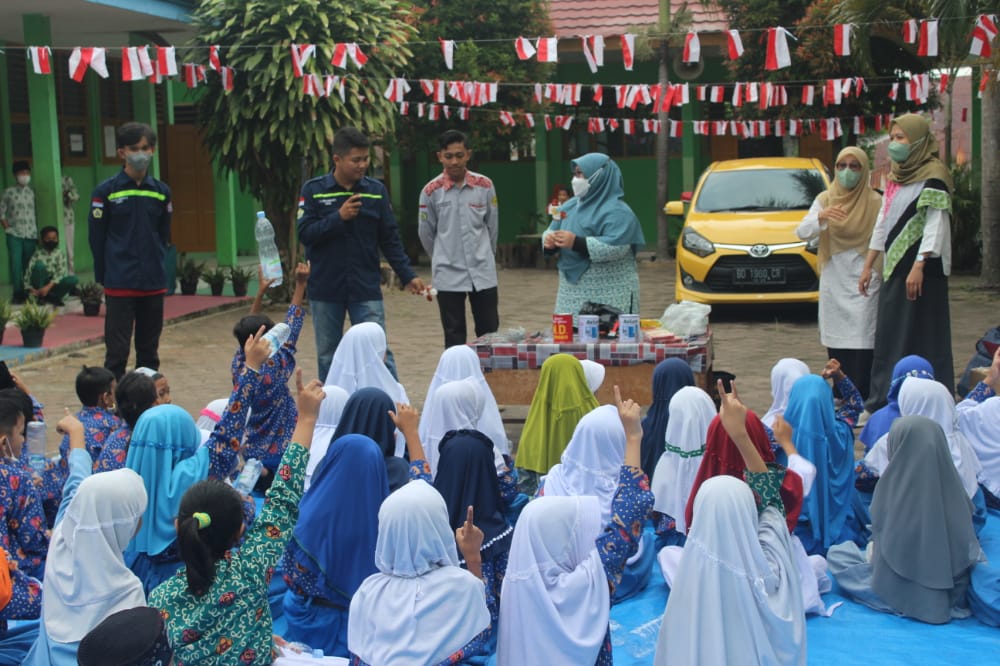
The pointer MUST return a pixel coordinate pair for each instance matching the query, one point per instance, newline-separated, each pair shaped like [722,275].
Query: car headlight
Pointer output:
[813,245]
[696,243]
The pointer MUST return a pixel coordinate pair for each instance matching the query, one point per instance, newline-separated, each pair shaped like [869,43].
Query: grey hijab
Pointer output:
[925,545]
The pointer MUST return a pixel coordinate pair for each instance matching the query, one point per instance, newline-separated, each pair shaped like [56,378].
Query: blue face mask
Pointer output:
[848,178]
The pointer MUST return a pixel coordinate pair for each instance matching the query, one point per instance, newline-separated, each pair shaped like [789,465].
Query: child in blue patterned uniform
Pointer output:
[134,394]
[207,604]
[272,412]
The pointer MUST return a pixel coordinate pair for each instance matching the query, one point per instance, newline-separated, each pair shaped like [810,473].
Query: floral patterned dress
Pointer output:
[231,623]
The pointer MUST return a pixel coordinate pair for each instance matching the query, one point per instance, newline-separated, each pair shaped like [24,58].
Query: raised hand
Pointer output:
[308,396]
[406,418]
[256,349]
[832,370]
[629,413]
[733,416]
[470,539]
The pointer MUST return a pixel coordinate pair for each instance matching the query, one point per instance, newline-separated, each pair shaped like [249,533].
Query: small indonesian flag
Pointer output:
[778,56]
[700,127]
[434,112]
[342,51]
[628,51]
[213,58]
[507,119]
[943,83]
[910,31]
[463,113]
[859,125]
[448,52]
[928,46]
[301,53]
[564,122]
[83,57]
[548,49]
[719,127]
[312,85]
[548,123]
[737,100]
[894,91]
[628,126]
[524,48]
[702,93]
[983,82]
[226,74]
[692,48]
[135,63]
[593,51]
[718,94]
[41,59]
[193,75]
[983,34]
[166,61]
[404,108]
[612,124]
[842,39]
[598,93]
[396,90]
[529,119]
[735,44]
[434,89]
[676,129]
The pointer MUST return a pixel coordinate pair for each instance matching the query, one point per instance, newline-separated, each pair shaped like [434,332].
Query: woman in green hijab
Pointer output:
[913,232]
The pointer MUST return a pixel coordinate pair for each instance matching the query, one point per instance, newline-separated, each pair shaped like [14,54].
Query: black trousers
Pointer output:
[856,364]
[484,314]
[145,315]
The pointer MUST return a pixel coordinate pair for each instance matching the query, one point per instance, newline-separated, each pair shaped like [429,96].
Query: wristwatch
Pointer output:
[920,257]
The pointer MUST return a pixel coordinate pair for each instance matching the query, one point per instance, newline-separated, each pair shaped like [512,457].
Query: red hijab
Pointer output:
[722,457]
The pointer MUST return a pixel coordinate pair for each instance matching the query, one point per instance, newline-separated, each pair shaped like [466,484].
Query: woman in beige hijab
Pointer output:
[912,238]
[842,218]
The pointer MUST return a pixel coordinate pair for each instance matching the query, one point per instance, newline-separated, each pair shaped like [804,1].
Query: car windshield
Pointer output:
[760,189]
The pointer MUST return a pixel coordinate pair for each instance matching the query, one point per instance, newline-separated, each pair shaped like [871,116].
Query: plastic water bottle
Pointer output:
[277,336]
[35,441]
[248,476]
[270,262]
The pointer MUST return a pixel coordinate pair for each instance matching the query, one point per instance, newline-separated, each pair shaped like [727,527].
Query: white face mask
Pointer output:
[23,180]
[580,185]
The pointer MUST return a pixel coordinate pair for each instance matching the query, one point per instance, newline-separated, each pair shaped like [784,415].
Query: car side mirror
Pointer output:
[674,208]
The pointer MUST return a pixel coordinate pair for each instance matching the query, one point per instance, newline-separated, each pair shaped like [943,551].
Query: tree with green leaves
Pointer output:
[266,130]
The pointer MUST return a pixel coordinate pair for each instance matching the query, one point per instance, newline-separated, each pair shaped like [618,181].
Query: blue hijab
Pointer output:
[166,452]
[881,420]
[670,376]
[601,213]
[338,518]
[366,412]
[828,443]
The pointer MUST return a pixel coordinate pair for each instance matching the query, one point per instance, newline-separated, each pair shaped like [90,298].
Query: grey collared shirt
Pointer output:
[458,229]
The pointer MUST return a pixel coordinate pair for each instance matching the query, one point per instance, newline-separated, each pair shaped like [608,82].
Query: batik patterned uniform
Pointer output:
[23,531]
[17,206]
[231,623]
[115,450]
[26,597]
[272,412]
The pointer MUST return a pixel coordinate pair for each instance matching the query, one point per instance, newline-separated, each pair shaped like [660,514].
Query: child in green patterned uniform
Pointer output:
[47,275]
[216,607]
[17,215]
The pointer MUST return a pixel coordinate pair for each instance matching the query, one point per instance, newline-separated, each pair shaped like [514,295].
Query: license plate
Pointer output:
[759,275]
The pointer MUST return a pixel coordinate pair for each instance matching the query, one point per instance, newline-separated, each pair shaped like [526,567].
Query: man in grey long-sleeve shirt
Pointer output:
[458,229]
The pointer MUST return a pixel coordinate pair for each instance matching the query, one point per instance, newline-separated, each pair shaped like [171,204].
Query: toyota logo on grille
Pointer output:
[759,250]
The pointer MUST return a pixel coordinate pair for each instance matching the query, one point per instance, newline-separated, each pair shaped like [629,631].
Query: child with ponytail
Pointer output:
[216,607]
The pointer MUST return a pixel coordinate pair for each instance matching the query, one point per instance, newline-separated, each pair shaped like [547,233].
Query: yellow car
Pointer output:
[738,244]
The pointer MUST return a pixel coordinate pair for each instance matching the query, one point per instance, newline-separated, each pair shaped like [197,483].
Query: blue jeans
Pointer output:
[328,324]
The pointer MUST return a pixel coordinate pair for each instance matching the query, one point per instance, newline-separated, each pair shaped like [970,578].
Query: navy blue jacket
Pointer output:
[129,228]
[344,255]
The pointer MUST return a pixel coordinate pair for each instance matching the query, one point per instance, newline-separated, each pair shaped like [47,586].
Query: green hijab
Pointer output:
[561,400]
[923,163]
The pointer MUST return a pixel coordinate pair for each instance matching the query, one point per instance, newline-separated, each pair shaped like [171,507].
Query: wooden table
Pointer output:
[511,369]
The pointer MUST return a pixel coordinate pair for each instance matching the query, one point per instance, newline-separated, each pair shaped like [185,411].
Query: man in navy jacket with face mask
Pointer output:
[129,231]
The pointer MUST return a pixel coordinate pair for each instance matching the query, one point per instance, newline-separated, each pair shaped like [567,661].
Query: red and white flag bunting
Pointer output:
[226,74]
[213,58]
[842,39]
[808,95]
[448,52]
[735,44]
[628,51]
[692,48]
[676,129]
[718,94]
[524,48]
[529,119]
[396,90]
[83,57]
[910,31]
[778,55]
[894,91]
[301,54]
[41,59]
[166,61]
[433,89]
[343,51]
[136,64]
[928,45]
[334,83]
[547,48]
[598,93]
[312,85]
[507,119]
[983,34]
[593,51]
[193,75]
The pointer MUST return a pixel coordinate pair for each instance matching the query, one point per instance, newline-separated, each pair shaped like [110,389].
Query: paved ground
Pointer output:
[196,353]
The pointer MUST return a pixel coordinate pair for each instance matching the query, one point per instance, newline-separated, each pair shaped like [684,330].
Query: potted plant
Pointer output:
[91,295]
[5,315]
[240,277]
[33,319]
[189,272]
[216,279]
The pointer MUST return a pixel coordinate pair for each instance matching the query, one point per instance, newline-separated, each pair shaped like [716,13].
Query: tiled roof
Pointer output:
[613,17]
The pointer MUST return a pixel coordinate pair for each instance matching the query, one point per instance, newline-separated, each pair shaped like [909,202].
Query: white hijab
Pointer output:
[461,362]
[736,597]
[326,424]
[691,412]
[421,607]
[981,424]
[359,362]
[555,601]
[86,579]
[455,405]
[592,461]
[209,417]
[594,372]
[926,397]
[783,375]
